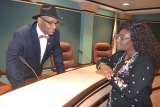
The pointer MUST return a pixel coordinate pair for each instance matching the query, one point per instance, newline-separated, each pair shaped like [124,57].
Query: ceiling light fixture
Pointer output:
[125,4]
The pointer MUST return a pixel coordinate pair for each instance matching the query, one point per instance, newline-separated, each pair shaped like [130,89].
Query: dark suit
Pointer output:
[26,43]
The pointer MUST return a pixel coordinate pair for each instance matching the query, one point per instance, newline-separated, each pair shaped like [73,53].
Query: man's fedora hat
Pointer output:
[47,10]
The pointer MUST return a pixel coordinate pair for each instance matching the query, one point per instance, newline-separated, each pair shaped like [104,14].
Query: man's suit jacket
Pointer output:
[26,44]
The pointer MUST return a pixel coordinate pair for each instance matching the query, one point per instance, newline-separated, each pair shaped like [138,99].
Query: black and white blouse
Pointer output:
[132,79]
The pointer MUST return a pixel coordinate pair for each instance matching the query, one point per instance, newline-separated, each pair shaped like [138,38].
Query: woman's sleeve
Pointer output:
[142,76]
[108,60]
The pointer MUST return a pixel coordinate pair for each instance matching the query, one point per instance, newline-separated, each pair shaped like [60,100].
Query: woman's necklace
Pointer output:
[120,59]
[127,63]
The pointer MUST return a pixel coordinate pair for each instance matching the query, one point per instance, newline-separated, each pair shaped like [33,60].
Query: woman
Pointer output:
[131,70]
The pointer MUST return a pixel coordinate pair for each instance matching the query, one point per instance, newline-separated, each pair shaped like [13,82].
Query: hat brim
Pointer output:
[36,16]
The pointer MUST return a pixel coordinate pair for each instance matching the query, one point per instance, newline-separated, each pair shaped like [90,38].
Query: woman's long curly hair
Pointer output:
[144,41]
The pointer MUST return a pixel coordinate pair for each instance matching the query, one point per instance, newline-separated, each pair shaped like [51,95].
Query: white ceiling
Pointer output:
[134,4]
[135,7]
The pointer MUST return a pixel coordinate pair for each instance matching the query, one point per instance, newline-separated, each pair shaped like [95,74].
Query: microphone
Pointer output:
[25,62]
[79,51]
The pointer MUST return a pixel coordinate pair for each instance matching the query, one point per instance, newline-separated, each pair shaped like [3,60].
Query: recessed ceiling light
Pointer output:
[125,4]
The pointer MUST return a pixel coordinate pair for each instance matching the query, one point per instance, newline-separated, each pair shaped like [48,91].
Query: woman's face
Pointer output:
[124,41]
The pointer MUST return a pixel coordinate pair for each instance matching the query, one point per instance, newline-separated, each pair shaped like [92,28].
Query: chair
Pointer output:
[156,91]
[68,58]
[1,83]
[1,73]
[5,88]
[101,50]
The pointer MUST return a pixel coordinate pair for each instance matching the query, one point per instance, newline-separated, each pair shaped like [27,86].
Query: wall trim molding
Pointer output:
[80,11]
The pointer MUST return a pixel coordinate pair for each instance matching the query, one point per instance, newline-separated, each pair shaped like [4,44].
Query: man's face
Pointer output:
[47,24]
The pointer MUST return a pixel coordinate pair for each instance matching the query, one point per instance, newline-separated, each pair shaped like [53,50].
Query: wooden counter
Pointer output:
[67,89]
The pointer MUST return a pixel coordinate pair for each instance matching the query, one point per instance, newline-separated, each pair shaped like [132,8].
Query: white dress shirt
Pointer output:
[43,42]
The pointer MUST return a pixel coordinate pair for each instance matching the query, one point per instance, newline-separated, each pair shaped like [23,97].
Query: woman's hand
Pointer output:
[105,70]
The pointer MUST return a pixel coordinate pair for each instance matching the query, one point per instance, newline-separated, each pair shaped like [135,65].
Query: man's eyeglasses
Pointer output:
[50,23]
[118,36]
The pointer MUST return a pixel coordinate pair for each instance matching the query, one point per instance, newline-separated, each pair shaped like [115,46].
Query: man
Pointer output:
[34,43]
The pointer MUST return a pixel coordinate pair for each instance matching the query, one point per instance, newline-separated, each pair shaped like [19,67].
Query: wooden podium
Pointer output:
[78,88]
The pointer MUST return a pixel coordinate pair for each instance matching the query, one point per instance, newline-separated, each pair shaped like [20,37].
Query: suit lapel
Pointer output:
[35,41]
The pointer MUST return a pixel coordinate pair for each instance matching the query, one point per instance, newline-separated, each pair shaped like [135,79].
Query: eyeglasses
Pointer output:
[118,36]
[50,23]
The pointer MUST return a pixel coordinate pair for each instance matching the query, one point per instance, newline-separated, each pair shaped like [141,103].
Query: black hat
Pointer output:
[47,10]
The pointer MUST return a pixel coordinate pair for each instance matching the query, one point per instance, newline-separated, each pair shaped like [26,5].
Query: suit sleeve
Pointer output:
[142,77]
[58,56]
[13,70]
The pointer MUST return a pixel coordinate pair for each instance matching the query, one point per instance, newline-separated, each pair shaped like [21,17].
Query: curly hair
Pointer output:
[144,41]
